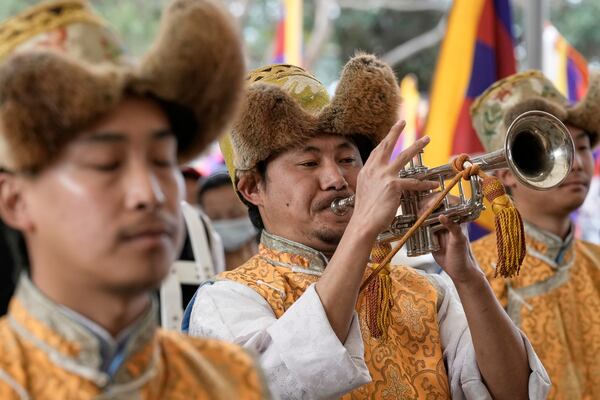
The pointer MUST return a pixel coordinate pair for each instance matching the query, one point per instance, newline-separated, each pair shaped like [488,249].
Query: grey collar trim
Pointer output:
[556,248]
[517,297]
[317,260]
[88,363]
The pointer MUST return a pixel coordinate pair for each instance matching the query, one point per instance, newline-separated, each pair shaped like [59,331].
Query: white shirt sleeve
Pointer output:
[300,353]
[459,354]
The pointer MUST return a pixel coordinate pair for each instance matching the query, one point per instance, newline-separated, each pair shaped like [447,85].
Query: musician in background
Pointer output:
[556,298]
[193,212]
[191,178]
[229,218]
[89,149]
[292,152]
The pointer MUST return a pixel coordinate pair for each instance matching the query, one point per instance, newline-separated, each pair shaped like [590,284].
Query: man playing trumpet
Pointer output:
[290,154]
[556,298]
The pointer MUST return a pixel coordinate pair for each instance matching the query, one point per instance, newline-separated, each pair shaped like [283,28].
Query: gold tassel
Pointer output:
[510,235]
[384,317]
[379,296]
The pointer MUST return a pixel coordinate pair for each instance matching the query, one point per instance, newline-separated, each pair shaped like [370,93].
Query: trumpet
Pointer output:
[538,149]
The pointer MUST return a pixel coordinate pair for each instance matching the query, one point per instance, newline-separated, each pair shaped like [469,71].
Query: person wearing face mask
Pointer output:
[229,218]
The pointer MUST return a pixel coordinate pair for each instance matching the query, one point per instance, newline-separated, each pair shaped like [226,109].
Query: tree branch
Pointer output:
[399,5]
[240,9]
[416,44]
[320,33]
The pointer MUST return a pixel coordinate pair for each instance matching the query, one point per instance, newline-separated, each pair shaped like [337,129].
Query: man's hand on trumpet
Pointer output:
[454,255]
[379,187]
[499,348]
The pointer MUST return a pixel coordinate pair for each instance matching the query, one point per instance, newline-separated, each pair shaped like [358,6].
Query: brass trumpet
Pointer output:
[538,149]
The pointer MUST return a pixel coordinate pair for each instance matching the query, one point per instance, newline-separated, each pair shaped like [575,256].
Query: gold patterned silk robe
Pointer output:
[408,364]
[46,354]
[556,301]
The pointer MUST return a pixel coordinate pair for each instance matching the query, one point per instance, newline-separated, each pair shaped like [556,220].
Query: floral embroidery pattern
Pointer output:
[558,308]
[407,365]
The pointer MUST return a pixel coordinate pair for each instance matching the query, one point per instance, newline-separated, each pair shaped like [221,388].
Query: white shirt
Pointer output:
[303,358]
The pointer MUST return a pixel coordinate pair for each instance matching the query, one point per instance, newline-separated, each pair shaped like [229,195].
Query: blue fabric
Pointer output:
[504,16]
[187,314]
[118,360]
[484,64]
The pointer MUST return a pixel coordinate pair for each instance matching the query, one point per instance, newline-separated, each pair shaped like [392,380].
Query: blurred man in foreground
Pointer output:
[556,298]
[90,148]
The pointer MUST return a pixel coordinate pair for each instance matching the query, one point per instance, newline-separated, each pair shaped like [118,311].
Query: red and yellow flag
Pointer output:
[288,38]
[476,52]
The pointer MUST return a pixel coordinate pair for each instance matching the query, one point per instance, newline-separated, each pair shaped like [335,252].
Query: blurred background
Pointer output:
[445,53]
[406,33]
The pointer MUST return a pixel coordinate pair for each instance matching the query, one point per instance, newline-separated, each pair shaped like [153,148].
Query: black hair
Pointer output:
[365,146]
[182,120]
[193,175]
[14,261]
[214,181]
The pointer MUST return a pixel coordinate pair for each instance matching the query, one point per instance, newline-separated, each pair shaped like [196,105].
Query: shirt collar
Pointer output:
[548,246]
[112,349]
[283,252]
[78,344]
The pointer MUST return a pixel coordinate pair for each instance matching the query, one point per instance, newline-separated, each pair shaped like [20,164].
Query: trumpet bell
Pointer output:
[539,150]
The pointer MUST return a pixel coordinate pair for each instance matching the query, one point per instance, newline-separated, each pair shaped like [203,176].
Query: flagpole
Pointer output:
[535,11]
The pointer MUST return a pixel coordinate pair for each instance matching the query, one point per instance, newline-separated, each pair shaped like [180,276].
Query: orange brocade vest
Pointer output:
[556,301]
[407,364]
[46,353]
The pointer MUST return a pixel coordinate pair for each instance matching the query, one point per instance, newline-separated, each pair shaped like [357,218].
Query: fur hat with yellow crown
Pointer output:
[61,69]
[285,106]
[494,111]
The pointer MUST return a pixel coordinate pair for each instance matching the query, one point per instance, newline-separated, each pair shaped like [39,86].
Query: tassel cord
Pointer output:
[490,185]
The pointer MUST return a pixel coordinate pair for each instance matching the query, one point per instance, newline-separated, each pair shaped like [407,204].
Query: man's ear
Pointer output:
[13,209]
[251,187]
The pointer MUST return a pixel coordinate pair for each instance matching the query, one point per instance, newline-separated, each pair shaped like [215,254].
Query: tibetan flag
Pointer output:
[288,36]
[564,65]
[476,52]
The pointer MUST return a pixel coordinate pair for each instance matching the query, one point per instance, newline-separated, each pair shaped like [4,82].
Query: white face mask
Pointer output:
[234,232]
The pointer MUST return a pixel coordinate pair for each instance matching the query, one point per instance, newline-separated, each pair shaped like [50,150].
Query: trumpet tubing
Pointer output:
[538,149]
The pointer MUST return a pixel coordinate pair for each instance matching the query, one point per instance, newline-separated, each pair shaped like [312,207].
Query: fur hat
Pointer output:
[286,106]
[49,94]
[494,111]
[69,26]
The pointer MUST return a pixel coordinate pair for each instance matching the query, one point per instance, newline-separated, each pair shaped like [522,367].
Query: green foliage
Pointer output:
[578,23]
[135,20]
[376,30]
[11,7]
[379,31]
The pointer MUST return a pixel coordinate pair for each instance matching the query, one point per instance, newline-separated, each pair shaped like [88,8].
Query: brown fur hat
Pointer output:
[586,113]
[195,69]
[285,106]
[495,110]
